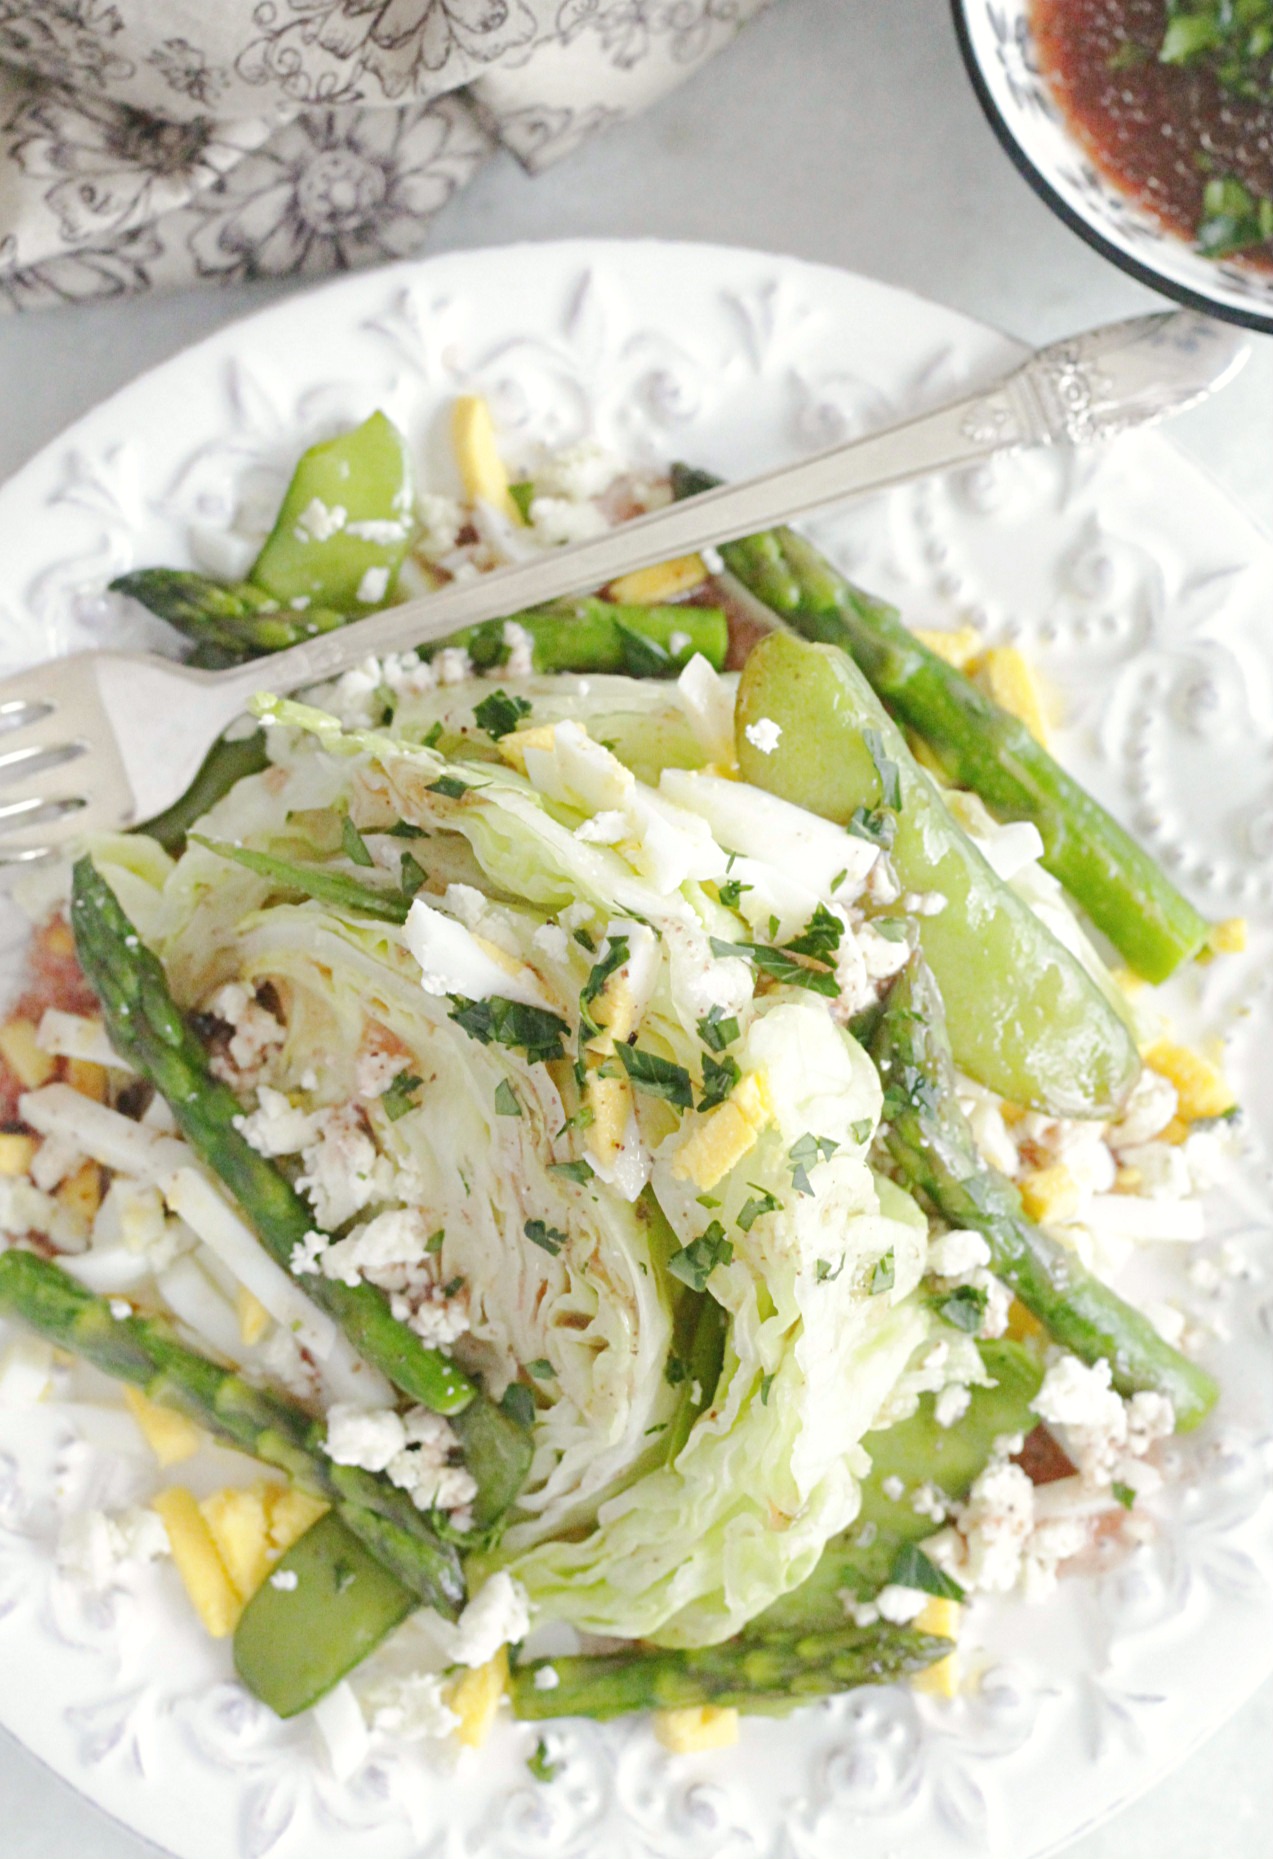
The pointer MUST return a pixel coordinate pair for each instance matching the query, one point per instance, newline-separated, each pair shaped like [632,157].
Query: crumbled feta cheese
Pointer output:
[287,1581]
[1163,1168]
[373,586]
[556,522]
[520,647]
[339,1168]
[356,698]
[952,1404]
[957,1253]
[76,1036]
[380,530]
[255,1035]
[994,1321]
[375,1070]
[277,1126]
[406,674]
[98,1549]
[436,1319]
[928,1501]
[899,1604]
[319,522]
[993,1525]
[1098,1429]
[395,1237]
[764,734]
[441,520]
[421,1466]
[452,665]
[606,828]
[307,1254]
[551,941]
[893,1489]
[498,1615]
[678,642]
[547,1678]
[366,1437]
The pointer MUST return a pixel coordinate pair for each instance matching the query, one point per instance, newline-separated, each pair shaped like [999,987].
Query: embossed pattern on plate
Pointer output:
[1144,595]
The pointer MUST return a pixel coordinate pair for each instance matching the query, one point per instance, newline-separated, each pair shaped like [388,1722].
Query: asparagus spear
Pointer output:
[978,745]
[151,1033]
[591,635]
[928,1138]
[146,1352]
[753,1672]
[233,617]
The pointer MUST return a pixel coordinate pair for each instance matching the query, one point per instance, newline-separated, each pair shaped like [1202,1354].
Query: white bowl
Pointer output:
[999,50]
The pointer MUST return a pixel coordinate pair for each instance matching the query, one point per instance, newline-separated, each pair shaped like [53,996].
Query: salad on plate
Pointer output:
[626,1124]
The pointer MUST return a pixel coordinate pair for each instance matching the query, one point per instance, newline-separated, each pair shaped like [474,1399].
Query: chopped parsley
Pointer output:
[401,1095]
[719,1078]
[781,965]
[403,829]
[616,955]
[585,941]
[675,1372]
[861,1130]
[1125,1494]
[874,824]
[579,1171]
[523,495]
[433,1244]
[766,1383]
[432,736]
[762,1202]
[964,1308]
[657,1077]
[550,1239]
[695,1263]
[884,1277]
[820,937]
[825,1275]
[731,891]
[542,1369]
[411,874]
[450,786]
[506,1100]
[539,1765]
[913,1569]
[453,1285]
[707,1200]
[354,844]
[532,1030]
[499,714]
[718,1030]
[803,1153]
[642,657]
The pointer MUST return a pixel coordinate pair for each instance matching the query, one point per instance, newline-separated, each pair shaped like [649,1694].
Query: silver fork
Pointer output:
[103,740]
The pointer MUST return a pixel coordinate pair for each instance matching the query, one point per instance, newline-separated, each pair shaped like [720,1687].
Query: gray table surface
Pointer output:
[839,130]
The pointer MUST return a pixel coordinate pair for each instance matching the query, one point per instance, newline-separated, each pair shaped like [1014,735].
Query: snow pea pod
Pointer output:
[1024,1018]
[345,523]
[328,1604]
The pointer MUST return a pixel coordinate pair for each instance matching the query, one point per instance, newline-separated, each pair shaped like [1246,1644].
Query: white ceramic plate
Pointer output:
[997,42]
[1145,596]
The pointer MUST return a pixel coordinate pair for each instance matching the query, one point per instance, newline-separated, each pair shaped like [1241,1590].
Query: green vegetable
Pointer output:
[148,1029]
[146,1352]
[1025,1018]
[978,745]
[928,1139]
[532,1030]
[336,888]
[1233,218]
[751,1673]
[360,487]
[1232,38]
[298,1637]
[229,761]
[592,635]
[234,618]
[916,1451]
[657,1077]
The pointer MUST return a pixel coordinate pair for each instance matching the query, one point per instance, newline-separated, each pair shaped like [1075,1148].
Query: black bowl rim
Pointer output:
[1259,320]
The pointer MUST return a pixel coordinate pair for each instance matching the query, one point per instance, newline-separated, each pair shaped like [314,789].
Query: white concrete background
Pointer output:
[838,130]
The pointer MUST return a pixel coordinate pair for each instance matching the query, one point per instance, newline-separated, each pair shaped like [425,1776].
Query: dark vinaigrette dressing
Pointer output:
[1173,100]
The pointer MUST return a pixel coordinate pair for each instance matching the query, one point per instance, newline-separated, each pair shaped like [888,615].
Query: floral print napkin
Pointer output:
[162,142]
